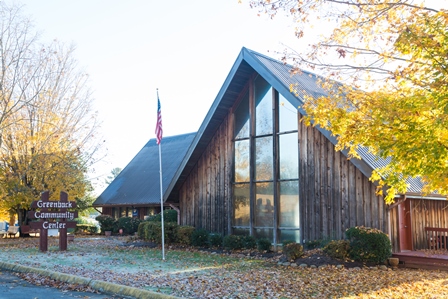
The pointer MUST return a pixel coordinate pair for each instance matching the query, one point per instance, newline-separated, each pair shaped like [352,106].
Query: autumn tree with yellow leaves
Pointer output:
[386,73]
[48,135]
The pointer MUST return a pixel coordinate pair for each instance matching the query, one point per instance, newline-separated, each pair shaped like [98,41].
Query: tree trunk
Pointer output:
[23,221]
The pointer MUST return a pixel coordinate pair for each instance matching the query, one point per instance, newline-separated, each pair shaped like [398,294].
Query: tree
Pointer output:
[18,67]
[385,69]
[113,174]
[49,140]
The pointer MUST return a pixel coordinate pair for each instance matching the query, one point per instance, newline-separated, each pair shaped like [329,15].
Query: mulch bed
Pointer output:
[318,258]
[314,257]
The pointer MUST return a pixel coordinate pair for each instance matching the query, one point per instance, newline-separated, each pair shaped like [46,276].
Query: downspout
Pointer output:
[178,213]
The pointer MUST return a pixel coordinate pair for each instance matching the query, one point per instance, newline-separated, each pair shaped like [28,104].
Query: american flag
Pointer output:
[159,130]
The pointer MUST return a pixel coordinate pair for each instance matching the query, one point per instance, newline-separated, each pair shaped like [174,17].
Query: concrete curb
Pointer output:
[99,285]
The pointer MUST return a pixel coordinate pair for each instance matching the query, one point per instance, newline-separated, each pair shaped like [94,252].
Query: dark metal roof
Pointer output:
[415,185]
[278,75]
[139,182]
[306,83]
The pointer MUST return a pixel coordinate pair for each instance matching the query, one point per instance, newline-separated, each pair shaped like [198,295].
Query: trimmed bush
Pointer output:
[128,224]
[286,242]
[107,223]
[232,242]
[264,244]
[170,232]
[338,249]
[368,244]
[135,223]
[153,232]
[215,240]
[199,238]
[142,228]
[249,242]
[168,216]
[313,244]
[293,251]
[184,234]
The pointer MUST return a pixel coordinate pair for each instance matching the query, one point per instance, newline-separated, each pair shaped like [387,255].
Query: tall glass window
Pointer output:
[264,205]
[289,156]
[241,204]
[242,118]
[288,118]
[263,158]
[242,156]
[263,104]
[266,169]
[289,205]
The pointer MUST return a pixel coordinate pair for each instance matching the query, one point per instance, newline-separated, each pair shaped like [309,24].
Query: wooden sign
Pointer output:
[52,225]
[53,215]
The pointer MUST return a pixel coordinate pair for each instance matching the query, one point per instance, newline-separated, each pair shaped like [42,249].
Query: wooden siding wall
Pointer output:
[206,194]
[426,212]
[393,229]
[334,194]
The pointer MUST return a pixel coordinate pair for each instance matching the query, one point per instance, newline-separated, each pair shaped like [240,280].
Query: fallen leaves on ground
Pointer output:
[194,274]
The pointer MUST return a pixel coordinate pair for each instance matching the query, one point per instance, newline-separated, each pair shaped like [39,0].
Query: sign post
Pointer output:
[53,215]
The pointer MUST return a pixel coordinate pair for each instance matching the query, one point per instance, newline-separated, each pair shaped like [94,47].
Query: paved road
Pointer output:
[13,287]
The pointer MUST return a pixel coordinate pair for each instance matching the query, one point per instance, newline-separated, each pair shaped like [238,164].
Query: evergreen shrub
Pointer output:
[293,251]
[107,223]
[338,249]
[313,244]
[135,222]
[153,232]
[286,242]
[199,238]
[170,232]
[128,224]
[264,244]
[249,242]
[215,240]
[142,228]
[168,216]
[368,244]
[184,234]
[232,242]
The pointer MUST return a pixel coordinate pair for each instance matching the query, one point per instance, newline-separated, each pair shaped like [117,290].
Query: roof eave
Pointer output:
[205,122]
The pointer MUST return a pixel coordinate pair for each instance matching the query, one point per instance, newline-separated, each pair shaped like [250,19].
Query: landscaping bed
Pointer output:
[198,273]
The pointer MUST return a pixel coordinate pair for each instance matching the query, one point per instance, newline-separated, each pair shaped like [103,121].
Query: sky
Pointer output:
[132,48]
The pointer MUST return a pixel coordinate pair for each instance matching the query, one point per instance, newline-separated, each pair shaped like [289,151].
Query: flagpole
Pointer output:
[161,202]
[159,142]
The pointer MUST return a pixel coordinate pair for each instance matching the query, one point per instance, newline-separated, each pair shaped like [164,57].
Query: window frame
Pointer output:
[275,178]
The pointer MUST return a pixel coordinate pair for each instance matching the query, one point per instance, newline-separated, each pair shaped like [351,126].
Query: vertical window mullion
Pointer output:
[252,155]
[275,158]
